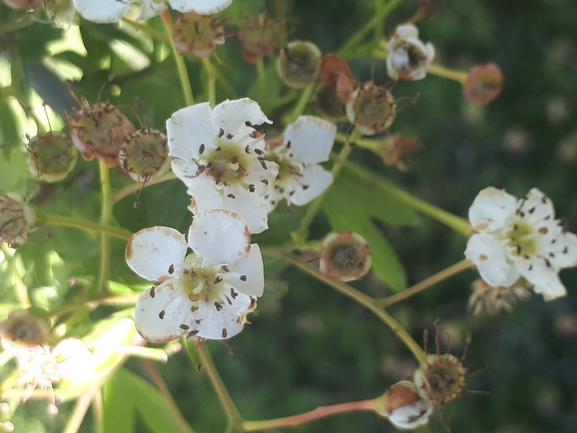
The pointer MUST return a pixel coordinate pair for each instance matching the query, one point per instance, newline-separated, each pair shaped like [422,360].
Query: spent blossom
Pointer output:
[520,238]
[220,157]
[406,406]
[111,11]
[409,58]
[207,293]
[307,142]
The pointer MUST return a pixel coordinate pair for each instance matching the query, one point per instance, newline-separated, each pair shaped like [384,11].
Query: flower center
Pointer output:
[227,164]
[521,238]
[200,283]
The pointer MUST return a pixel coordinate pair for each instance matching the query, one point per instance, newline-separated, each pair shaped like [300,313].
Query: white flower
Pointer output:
[221,160]
[409,58]
[205,294]
[111,11]
[301,179]
[407,406]
[520,238]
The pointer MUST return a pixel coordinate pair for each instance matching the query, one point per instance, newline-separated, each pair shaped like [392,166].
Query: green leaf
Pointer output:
[353,203]
[119,406]
[150,403]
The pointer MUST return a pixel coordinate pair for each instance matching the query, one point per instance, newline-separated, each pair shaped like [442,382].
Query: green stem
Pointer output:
[451,74]
[157,379]
[58,220]
[211,80]
[105,217]
[208,366]
[314,208]
[425,284]
[20,289]
[364,300]
[377,21]
[460,225]
[302,104]
[318,413]
[148,30]
[92,304]
[133,187]
[262,81]
[179,59]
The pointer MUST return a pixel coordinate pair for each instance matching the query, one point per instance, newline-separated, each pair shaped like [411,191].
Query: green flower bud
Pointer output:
[144,155]
[372,109]
[345,256]
[298,64]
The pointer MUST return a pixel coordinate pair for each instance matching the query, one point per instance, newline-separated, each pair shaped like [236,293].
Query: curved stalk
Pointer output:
[58,220]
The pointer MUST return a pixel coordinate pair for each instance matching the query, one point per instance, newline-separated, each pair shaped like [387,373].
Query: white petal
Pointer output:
[311,139]
[102,11]
[204,193]
[232,115]
[490,209]
[251,207]
[544,279]
[219,236]
[149,9]
[251,267]
[191,132]
[75,359]
[170,304]
[314,181]
[218,324]
[185,169]
[406,31]
[201,7]
[489,256]
[562,253]
[152,251]
[536,207]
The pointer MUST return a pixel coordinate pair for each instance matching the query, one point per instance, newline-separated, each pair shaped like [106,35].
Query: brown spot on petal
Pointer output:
[161,314]
[543,230]
[483,257]
[481,226]
[224,333]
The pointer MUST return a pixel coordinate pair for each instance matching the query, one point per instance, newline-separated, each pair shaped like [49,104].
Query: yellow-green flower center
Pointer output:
[522,238]
[228,163]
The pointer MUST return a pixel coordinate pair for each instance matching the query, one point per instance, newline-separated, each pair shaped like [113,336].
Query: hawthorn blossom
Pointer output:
[220,157]
[307,142]
[520,238]
[111,11]
[207,293]
[406,406]
[409,58]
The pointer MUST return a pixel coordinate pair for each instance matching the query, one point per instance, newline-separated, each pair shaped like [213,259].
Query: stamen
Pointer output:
[161,314]
[201,149]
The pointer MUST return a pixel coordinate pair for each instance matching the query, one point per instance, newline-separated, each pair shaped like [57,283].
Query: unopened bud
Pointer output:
[98,130]
[198,34]
[484,84]
[345,256]
[144,155]
[22,328]
[51,156]
[16,219]
[298,64]
[372,109]
[409,58]
[405,406]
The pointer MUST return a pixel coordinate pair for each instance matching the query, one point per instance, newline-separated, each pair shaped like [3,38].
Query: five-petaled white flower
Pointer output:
[220,157]
[520,238]
[409,58]
[111,11]
[204,294]
[307,142]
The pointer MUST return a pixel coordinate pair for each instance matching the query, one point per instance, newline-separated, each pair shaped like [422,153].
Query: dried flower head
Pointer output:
[144,155]
[372,109]
[405,405]
[442,377]
[396,147]
[298,64]
[330,106]
[345,256]
[409,58]
[260,37]
[486,299]
[198,34]
[16,219]
[23,329]
[484,83]
[51,156]
[98,130]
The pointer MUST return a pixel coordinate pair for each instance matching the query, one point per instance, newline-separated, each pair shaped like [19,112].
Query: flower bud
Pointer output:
[409,58]
[260,37]
[23,5]
[23,329]
[16,219]
[405,405]
[51,156]
[484,84]
[298,64]
[99,130]
[345,256]
[372,109]
[198,34]
[442,377]
[144,155]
